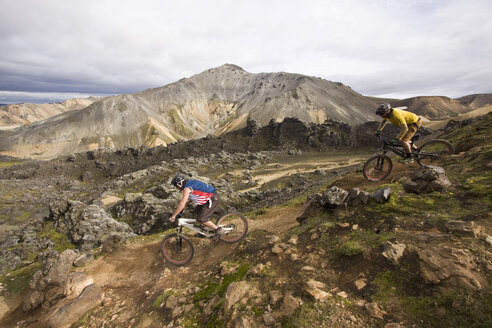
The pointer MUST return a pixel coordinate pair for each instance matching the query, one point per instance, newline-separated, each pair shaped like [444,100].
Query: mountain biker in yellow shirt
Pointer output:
[409,123]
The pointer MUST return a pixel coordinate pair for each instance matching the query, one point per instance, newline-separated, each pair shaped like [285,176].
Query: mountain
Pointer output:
[216,101]
[213,102]
[27,113]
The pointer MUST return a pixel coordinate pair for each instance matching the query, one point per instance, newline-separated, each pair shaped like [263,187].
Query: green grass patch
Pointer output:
[18,280]
[161,299]
[60,240]
[310,314]
[457,310]
[8,164]
[218,287]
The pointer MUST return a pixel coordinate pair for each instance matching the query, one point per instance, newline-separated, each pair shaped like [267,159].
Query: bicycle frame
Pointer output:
[190,224]
[396,148]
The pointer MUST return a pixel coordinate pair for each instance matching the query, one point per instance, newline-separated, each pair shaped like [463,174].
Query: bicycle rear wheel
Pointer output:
[433,151]
[177,249]
[377,168]
[235,227]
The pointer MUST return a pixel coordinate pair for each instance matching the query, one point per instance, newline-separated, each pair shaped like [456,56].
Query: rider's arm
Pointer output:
[182,204]
[403,130]
[382,125]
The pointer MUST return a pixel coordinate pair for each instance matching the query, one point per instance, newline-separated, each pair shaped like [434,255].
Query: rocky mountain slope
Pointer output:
[326,247]
[213,102]
[26,113]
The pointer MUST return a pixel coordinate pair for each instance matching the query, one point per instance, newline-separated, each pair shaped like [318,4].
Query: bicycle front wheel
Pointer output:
[235,227]
[377,168]
[433,151]
[177,249]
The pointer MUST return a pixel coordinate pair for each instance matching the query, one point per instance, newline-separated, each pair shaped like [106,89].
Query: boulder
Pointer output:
[334,197]
[88,226]
[375,310]
[382,195]
[75,284]
[393,252]
[235,292]
[83,260]
[310,208]
[466,228]
[316,290]
[450,267]
[68,314]
[427,179]
[357,196]
[290,305]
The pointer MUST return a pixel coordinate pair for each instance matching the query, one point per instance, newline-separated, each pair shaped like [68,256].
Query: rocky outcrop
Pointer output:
[86,226]
[64,295]
[148,212]
[19,247]
[48,285]
[336,197]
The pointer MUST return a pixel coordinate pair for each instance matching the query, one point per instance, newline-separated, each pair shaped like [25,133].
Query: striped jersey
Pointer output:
[200,192]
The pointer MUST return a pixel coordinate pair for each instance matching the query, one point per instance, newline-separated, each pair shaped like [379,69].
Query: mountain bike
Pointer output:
[176,248]
[430,152]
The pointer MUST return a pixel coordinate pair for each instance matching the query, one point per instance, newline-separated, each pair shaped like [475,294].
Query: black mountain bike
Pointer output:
[430,152]
[176,248]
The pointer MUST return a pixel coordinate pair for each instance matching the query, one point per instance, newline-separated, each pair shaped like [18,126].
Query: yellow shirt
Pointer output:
[401,117]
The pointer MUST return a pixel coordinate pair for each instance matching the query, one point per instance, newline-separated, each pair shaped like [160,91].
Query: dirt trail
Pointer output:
[137,273]
[136,264]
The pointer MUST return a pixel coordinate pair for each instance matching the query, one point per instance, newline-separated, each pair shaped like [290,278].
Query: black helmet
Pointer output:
[383,109]
[178,180]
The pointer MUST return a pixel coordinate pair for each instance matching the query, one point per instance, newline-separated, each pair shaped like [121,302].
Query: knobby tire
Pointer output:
[437,150]
[177,249]
[377,168]
[239,225]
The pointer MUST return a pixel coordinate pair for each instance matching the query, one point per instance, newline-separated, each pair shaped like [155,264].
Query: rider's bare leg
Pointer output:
[210,224]
[406,146]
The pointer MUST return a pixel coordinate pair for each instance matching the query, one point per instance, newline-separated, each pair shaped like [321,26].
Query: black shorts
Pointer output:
[204,212]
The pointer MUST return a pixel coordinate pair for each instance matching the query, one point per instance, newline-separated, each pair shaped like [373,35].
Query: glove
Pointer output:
[377,133]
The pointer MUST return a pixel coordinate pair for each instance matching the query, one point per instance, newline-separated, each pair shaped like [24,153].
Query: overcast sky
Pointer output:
[54,50]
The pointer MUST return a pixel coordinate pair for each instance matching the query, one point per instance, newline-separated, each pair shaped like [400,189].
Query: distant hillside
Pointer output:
[27,113]
[477,100]
[434,107]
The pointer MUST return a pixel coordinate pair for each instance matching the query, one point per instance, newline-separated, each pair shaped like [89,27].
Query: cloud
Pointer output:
[378,47]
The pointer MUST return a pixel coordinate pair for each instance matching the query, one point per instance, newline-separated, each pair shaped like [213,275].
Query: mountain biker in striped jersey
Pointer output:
[409,123]
[205,197]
